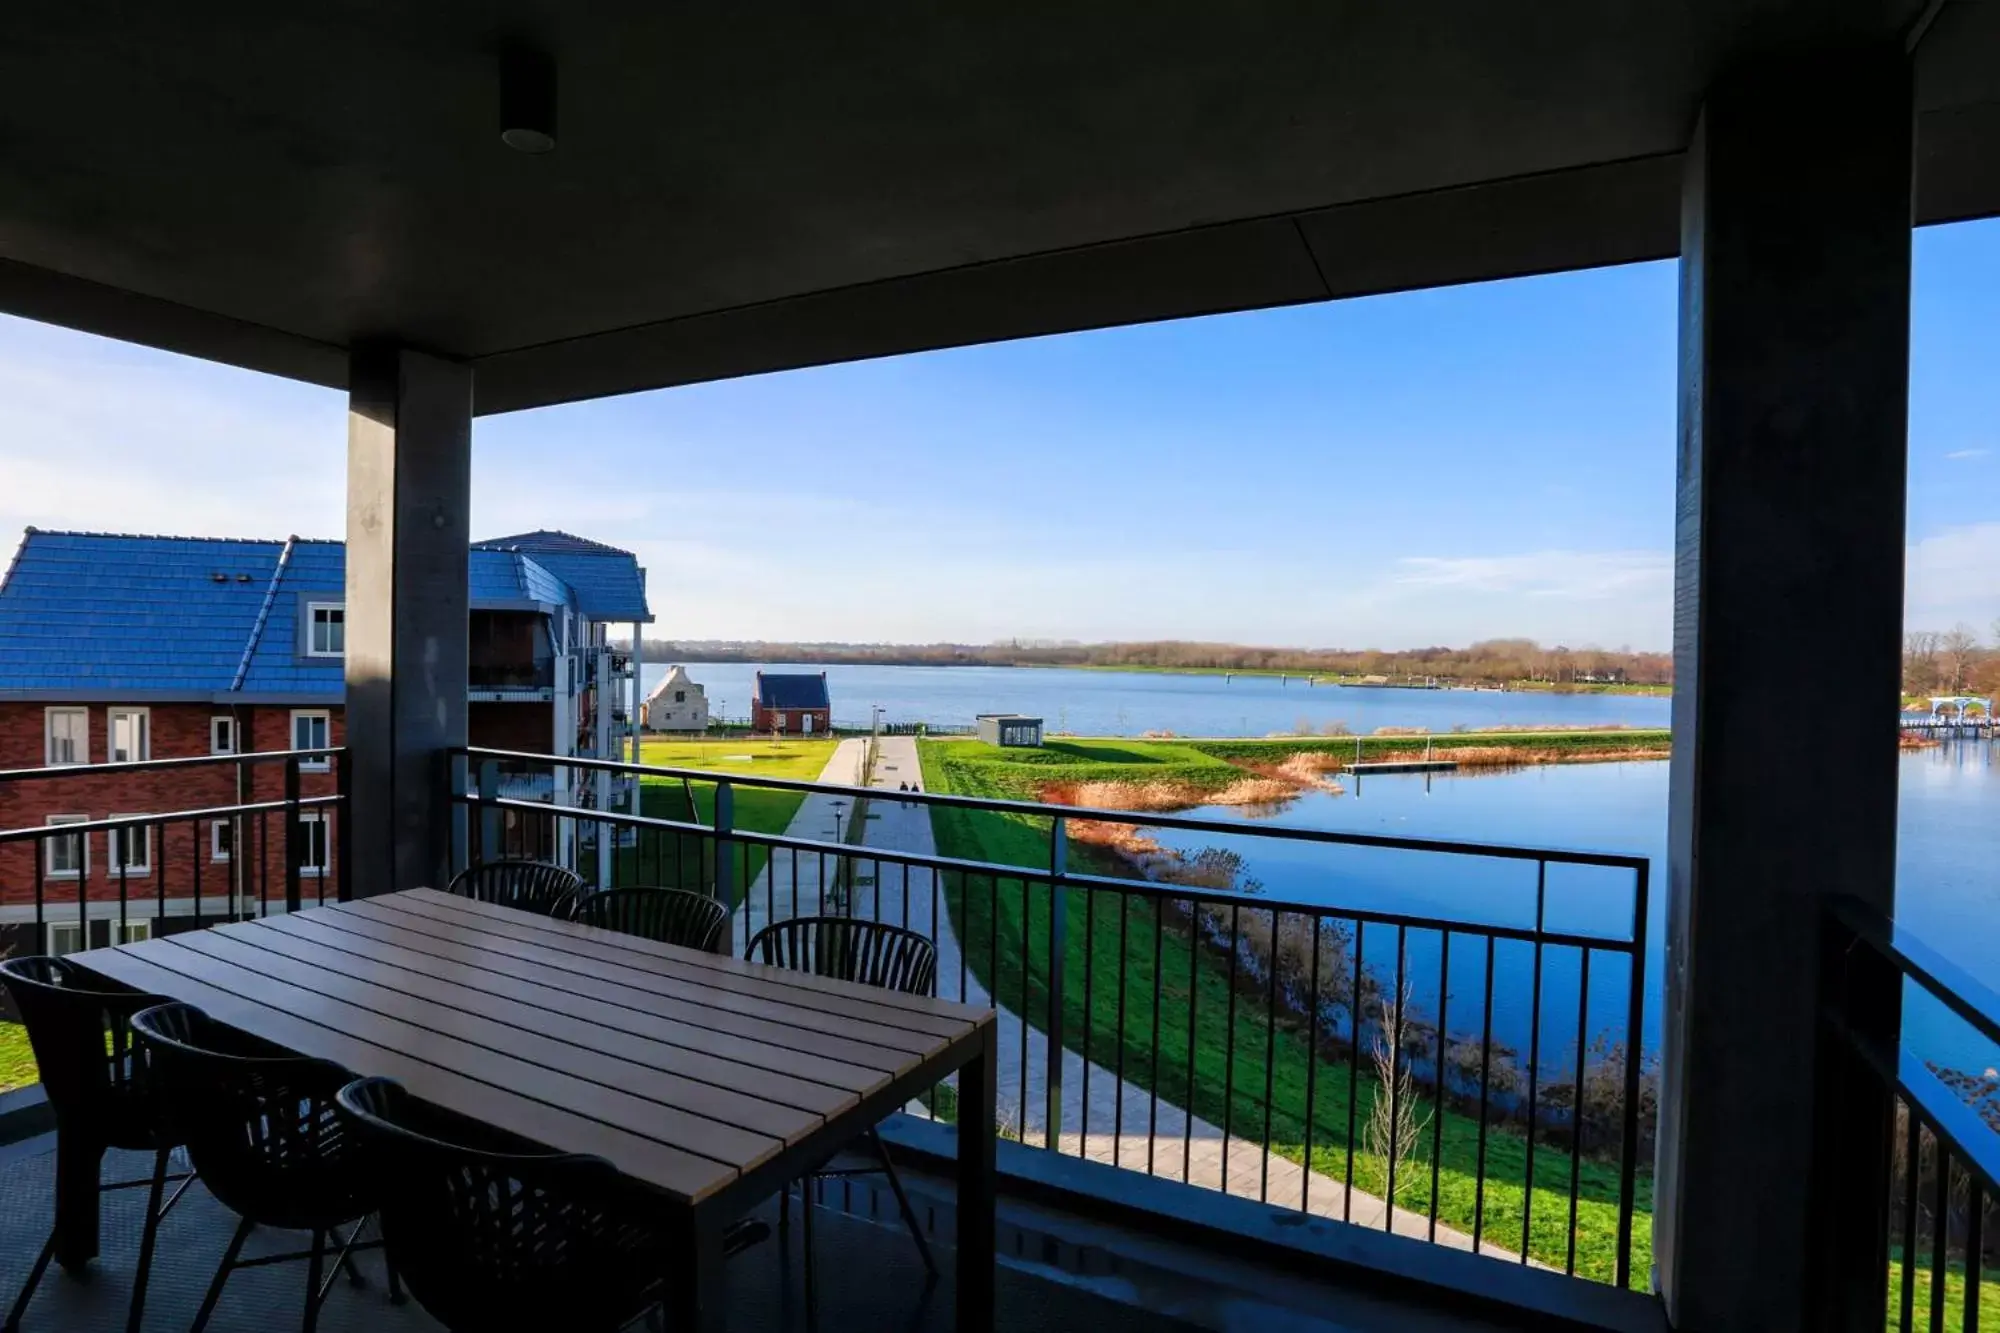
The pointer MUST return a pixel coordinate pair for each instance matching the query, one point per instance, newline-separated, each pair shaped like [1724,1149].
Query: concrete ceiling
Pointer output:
[738,189]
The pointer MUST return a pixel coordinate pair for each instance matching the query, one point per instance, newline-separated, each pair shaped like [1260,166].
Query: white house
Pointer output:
[676,704]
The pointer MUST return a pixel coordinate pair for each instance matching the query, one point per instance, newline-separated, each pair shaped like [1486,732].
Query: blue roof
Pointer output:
[608,582]
[792,691]
[105,614]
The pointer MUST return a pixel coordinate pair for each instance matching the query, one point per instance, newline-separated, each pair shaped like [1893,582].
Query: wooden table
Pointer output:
[712,1080]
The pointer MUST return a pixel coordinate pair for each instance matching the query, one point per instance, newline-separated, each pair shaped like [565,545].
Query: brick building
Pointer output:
[793,705]
[117,648]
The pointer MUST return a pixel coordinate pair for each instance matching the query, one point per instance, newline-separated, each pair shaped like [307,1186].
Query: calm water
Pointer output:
[1948,882]
[1125,703]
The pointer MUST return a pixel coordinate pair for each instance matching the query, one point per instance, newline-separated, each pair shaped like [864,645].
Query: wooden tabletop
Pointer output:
[687,1070]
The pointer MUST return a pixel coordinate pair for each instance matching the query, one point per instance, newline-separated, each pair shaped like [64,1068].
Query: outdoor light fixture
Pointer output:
[527,98]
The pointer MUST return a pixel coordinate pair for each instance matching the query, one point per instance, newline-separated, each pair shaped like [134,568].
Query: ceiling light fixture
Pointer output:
[527,98]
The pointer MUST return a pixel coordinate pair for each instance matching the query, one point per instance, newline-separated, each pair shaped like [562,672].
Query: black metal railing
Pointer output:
[1474,1082]
[120,871]
[1897,1107]
[490,675]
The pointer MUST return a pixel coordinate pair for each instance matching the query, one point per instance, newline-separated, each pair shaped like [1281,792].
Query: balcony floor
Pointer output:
[868,1274]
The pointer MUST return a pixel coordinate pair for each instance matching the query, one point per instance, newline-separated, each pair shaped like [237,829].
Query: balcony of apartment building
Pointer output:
[1793,1162]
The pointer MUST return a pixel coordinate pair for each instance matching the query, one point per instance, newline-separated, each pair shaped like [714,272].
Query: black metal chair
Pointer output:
[872,953]
[98,1089]
[260,1126]
[670,916]
[492,1231]
[531,886]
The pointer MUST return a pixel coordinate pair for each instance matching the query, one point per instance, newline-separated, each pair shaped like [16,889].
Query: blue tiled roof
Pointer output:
[109,613]
[608,582]
[792,691]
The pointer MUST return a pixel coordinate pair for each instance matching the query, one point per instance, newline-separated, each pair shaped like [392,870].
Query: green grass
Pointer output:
[1019,774]
[1954,1291]
[989,920]
[1579,744]
[17,1062]
[756,809]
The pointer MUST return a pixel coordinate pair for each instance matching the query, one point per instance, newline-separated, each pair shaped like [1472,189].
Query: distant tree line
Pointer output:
[1951,661]
[1489,662]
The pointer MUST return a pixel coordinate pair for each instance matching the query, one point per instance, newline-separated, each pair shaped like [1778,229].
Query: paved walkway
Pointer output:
[789,885]
[1183,1151]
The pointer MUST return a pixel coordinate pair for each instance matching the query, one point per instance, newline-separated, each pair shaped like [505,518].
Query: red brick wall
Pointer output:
[180,850]
[511,726]
[766,719]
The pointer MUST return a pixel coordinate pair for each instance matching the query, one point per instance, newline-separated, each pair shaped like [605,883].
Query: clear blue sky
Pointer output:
[1432,467]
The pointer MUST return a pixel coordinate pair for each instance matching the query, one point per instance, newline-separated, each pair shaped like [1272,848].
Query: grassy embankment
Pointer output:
[17,1062]
[1193,988]
[1338,678]
[758,810]
[1954,1293]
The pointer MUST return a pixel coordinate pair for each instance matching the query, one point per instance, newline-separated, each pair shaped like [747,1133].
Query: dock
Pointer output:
[1405,766]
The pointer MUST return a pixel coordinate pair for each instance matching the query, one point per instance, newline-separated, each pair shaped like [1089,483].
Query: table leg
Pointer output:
[977,1182]
[696,1304]
[77,1165]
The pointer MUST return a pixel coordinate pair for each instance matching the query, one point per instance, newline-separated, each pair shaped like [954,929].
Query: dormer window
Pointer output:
[326,629]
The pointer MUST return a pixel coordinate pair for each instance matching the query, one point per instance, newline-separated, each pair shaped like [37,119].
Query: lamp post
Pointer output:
[838,806]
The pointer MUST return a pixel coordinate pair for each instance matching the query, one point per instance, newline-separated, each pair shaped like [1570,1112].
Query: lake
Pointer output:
[1948,882]
[1126,703]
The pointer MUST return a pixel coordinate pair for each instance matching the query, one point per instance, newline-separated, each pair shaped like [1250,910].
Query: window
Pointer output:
[65,937]
[221,840]
[310,731]
[67,732]
[68,857]
[131,848]
[312,847]
[130,735]
[132,931]
[326,629]
[680,696]
[222,735]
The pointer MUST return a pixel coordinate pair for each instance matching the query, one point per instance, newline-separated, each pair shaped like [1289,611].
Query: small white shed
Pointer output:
[676,704]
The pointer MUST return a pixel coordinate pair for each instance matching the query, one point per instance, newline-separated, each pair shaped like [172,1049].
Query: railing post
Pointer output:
[343,890]
[489,815]
[725,823]
[1058,938]
[457,777]
[293,833]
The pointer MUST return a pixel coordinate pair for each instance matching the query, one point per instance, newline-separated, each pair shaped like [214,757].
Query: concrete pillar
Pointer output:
[1795,291]
[409,439]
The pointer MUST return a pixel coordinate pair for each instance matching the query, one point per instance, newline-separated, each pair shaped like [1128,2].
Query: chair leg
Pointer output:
[151,1233]
[313,1292]
[229,1258]
[903,1202]
[806,1223]
[28,1288]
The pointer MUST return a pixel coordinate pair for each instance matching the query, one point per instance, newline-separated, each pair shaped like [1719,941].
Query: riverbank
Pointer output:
[1174,1025]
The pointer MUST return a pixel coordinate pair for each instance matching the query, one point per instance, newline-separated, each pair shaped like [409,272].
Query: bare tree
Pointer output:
[1394,1127]
[1920,653]
[1956,648]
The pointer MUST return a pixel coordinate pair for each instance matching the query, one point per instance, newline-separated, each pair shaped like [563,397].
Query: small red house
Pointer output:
[791,705]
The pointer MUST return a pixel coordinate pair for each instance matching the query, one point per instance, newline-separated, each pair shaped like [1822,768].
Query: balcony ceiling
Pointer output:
[737,190]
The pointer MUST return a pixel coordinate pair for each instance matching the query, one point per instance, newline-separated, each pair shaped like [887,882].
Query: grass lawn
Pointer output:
[970,766]
[17,1062]
[682,862]
[1194,993]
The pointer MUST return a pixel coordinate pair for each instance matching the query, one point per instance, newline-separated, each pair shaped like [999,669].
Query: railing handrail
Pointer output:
[1611,860]
[1946,981]
[32,832]
[59,771]
[1143,887]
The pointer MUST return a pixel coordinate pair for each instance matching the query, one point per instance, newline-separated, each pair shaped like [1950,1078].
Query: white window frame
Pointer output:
[49,716]
[111,717]
[216,851]
[64,931]
[131,932]
[307,868]
[216,725]
[49,870]
[141,867]
[313,610]
[325,762]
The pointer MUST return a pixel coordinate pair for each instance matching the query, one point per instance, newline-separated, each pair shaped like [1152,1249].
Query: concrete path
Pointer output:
[790,885]
[1194,1152]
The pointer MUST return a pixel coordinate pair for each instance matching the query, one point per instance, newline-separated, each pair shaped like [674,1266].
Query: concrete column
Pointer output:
[409,440]
[1795,292]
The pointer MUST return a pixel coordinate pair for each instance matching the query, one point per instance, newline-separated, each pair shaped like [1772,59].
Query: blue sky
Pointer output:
[1430,467]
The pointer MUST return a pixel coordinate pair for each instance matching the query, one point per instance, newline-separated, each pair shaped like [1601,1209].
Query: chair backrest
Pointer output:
[258,1121]
[873,953]
[80,1030]
[671,916]
[531,886]
[488,1230]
